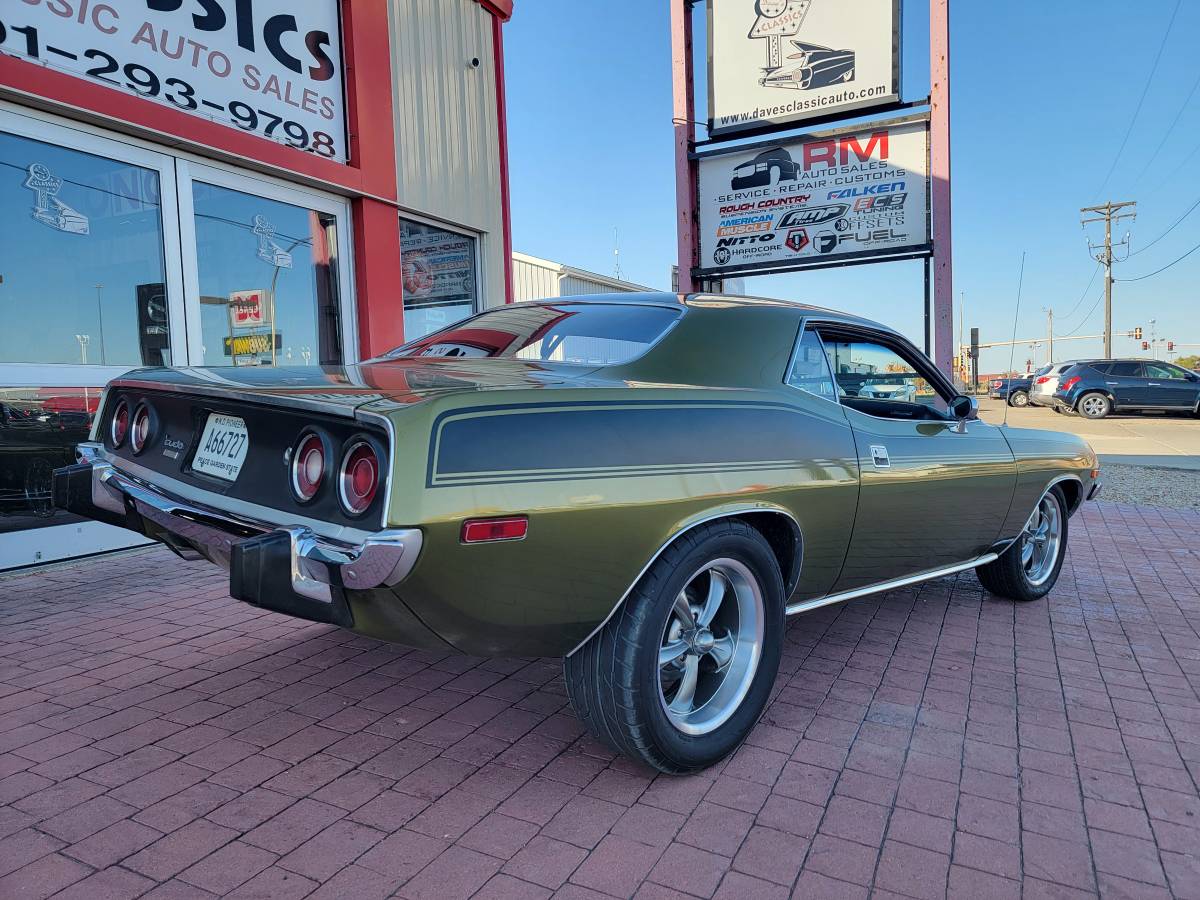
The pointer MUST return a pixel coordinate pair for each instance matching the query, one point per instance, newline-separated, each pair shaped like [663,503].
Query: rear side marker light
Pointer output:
[140,431]
[119,429]
[482,531]
[1069,383]
[358,478]
[308,467]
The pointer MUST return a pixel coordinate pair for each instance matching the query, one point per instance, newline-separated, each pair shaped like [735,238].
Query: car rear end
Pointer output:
[1073,382]
[998,388]
[288,491]
[1045,383]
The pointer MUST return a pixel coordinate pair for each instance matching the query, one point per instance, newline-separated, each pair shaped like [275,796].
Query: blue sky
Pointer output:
[1042,94]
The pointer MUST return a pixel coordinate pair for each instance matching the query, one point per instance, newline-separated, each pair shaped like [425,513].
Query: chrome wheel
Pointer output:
[711,646]
[1094,406]
[1041,541]
[1020,400]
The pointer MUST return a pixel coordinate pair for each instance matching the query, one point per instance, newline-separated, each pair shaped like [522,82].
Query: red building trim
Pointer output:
[502,9]
[502,131]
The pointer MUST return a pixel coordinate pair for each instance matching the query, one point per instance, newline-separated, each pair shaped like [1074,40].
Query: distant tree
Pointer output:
[1189,362]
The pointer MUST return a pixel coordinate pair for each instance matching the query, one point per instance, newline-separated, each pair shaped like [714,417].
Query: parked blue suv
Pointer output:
[1098,387]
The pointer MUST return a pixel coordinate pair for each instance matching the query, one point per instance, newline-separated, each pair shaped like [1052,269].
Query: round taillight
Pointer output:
[140,431]
[119,428]
[358,478]
[308,467]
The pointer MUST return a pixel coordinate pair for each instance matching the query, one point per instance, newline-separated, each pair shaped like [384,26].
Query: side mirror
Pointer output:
[963,407]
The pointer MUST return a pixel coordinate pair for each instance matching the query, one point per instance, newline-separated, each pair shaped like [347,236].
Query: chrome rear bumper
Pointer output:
[265,561]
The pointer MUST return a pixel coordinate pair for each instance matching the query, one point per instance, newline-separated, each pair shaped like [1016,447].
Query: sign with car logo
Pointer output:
[772,62]
[856,194]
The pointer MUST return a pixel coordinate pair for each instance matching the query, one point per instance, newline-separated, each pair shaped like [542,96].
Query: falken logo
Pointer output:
[847,193]
[815,215]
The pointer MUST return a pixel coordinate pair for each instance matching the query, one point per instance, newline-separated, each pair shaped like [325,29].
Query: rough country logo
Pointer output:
[812,65]
[47,208]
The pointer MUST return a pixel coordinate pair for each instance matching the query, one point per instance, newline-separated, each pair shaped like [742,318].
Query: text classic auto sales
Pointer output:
[271,67]
[809,200]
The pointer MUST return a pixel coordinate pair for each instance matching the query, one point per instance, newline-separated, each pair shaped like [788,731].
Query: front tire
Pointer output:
[681,674]
[1018,398]
[1094,405]
[1029,568]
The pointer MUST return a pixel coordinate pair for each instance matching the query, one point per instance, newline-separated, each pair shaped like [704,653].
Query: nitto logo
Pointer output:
[816,215]
[746,239]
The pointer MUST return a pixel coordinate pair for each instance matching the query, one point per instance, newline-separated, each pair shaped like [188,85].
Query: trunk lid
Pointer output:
[340,390]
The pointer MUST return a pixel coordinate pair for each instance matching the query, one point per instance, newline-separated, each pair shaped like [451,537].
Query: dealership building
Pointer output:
[218,182]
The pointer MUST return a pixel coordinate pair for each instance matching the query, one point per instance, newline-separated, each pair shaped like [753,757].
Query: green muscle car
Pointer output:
[645,485]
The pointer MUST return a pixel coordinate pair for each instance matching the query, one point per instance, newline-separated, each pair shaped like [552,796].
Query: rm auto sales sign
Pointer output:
[816,199]
[269,67]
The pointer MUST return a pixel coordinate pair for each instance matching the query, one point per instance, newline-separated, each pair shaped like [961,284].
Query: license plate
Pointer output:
[223,447]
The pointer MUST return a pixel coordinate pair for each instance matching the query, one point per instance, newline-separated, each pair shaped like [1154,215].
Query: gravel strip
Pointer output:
[1150,486]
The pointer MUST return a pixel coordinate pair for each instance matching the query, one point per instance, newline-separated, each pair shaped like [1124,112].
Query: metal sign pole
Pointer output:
[683,90]
[939,173]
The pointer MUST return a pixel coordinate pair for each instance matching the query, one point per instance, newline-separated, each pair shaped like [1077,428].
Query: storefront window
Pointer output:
[268,280]
[81,261]
[439,277]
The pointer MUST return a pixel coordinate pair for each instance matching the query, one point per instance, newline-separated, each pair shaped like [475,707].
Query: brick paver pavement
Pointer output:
[157,737]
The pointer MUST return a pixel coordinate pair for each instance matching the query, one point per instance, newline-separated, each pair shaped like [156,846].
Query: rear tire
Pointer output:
[1018,398]
[1029,568]
[681,674]
[1094,405]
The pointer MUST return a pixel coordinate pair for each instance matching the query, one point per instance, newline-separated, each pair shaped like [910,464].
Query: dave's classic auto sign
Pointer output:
[271,67]
[777,61]
[816,199]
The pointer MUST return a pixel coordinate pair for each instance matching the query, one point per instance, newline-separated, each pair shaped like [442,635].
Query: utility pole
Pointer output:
[1108,213]
[1050,334]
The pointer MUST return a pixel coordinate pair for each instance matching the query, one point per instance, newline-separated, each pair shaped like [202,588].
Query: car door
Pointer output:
[1128,384]
[931,495]
[1168,386]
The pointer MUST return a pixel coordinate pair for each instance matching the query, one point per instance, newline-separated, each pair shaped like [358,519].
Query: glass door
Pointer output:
[90,287]
[268,278]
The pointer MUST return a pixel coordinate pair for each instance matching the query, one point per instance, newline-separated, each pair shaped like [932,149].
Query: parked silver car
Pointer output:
[1045,383]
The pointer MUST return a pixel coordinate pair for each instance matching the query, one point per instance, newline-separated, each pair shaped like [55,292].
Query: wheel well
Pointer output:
[783,535]
[1073,492]
[1112,401]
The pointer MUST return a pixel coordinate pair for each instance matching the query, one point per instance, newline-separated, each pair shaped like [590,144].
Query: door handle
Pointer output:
[1113,383]
[1154,384]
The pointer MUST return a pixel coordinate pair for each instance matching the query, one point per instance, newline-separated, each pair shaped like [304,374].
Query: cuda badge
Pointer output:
[879,456]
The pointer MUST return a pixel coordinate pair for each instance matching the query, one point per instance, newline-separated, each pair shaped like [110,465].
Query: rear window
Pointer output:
[591,334]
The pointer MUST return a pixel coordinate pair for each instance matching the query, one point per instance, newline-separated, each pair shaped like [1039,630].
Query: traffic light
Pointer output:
[1145,344]
[1170,346]
[1137,335]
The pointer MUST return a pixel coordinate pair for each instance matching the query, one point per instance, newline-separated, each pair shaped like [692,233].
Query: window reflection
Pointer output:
[439,277]
[39,428]
[81,259]
[268,281]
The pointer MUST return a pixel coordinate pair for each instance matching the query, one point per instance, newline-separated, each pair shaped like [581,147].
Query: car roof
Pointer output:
[724,301]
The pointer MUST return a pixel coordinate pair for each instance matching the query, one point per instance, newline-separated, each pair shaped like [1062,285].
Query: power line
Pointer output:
[1083,296]
[1164,268]
[1142,98]
[1086,319]
[1191,209]
[1170,128]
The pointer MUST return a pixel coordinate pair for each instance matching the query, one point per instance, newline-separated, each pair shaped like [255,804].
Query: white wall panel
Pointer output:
[447,122]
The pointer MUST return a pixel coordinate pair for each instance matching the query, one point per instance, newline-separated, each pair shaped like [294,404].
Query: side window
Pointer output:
[1102,368]
[1159,371]
[810,368]
[873,371]
[1125,370]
